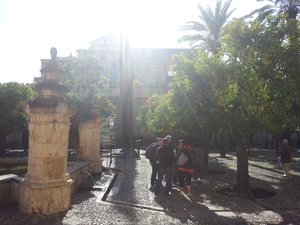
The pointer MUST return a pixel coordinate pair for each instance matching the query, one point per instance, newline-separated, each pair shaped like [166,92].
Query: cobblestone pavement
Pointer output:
[130,201]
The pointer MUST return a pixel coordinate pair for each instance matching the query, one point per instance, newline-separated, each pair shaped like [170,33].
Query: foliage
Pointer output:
[208,30]
[156,115]
[246,87]
[86,79]
[289,7]
[247,46]
[250,84]
[13,100]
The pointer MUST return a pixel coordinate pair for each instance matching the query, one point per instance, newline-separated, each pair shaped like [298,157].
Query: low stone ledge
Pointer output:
[9,177]
[78,171]
[18,161]
[9,185]
[74,166]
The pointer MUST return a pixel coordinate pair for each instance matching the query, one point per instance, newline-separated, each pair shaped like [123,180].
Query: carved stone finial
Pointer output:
[53,52]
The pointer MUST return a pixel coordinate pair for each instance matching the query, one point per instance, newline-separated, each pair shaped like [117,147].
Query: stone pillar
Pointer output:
[89,144]
[46,187]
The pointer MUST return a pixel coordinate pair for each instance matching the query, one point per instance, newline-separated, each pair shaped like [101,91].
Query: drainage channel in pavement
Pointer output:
[103,186]
[104,190]
[133,205]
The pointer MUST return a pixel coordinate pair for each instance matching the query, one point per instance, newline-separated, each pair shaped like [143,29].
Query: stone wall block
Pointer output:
[89,144]
[45,200]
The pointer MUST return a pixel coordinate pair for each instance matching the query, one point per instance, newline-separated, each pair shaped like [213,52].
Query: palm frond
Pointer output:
[209,27]
[291,7]
[257,11]
[263,15]
[193,25]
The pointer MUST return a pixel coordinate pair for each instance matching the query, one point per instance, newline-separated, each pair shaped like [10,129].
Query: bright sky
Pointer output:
[29,28]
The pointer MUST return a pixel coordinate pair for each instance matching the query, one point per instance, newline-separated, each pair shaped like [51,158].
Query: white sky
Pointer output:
[29,28]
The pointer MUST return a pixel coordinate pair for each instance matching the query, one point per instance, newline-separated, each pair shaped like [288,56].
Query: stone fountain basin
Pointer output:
[18,166]
[9,182]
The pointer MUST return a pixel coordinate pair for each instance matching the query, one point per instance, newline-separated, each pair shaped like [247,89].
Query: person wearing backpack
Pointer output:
[148,152]
[184,167]
[165,158]
[150,155]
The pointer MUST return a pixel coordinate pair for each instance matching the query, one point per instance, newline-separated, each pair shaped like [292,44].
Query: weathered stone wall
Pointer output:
[49,129]
[89,144]
[46,187]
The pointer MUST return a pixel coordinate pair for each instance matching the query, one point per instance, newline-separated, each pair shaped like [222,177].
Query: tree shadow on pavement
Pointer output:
[262,177]
[124,188]
[187,210]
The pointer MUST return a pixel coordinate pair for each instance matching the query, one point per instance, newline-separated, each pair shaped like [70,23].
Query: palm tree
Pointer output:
[290,7]
[209,28]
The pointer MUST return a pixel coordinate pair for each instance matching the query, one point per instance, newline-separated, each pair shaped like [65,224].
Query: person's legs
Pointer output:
[161,173]
[181,180]
[188,180]
[169,176]
[175,176]
[154,174]
[286,169]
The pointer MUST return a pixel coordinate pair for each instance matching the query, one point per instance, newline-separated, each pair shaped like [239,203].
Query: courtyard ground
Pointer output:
[122,196]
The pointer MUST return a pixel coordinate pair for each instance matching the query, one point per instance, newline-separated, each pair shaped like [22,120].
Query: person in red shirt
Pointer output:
[184,167]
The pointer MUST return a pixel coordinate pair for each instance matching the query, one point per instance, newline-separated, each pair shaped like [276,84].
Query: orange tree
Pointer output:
[87,80]
[13,100]
[250,84]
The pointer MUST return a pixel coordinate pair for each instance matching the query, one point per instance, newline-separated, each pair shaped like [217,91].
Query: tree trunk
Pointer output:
[2,143]
[243,183]
[222,145]
[205,159]
[266,141]
[25,139]
[205,153]
[73,138]
[222,152]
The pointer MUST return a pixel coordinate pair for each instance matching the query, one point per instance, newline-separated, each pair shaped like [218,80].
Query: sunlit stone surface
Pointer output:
[89,144]
[46,187]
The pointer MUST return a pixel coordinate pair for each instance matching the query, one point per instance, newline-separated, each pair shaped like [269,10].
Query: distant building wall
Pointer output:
[149,71]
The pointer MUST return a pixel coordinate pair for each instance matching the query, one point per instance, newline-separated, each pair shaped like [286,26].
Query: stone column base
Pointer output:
[45,198]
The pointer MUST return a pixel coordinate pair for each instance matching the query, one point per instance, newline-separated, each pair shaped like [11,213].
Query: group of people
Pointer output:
[173,164]
[176,164]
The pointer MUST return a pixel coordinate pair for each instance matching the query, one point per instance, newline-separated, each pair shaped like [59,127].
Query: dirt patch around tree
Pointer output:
[257,193]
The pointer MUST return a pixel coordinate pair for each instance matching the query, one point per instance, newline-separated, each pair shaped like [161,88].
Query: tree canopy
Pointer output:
[245,88]
[13,100]
[86,80]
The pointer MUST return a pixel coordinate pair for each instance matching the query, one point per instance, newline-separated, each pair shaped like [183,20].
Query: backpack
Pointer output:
[149,151]
[182,159]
